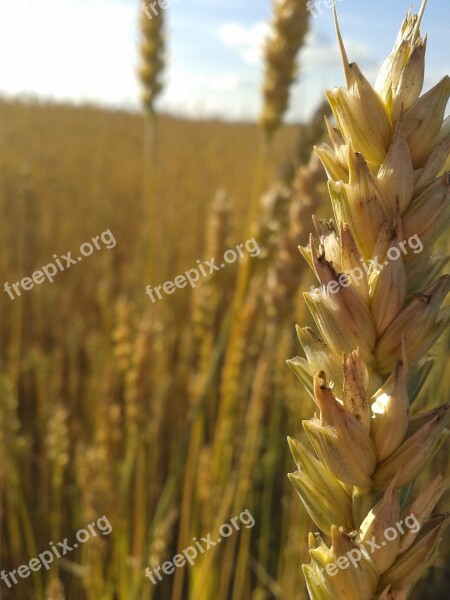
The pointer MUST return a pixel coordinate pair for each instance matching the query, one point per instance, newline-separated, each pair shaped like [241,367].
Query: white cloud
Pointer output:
[319,60]
[323,53]
[247,41]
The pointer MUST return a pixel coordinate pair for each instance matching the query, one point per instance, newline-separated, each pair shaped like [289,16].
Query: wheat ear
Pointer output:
[152,56]
[379,311]
[287,34]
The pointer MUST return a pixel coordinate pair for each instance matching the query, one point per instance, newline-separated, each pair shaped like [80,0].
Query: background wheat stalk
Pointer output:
[151,69]
[379,311]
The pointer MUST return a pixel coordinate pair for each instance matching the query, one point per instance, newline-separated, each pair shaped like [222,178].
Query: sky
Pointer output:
[86,51]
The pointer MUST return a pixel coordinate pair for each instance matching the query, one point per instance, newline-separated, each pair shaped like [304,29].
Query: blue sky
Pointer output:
[85,50]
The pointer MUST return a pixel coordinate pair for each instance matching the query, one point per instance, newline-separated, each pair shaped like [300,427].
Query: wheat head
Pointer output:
[152,57]
[379,312]
[288,31]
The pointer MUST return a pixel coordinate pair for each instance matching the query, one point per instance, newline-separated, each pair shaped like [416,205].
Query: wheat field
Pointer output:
[155,423]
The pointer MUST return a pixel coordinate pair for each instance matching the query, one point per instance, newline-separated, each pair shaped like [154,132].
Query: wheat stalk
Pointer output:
[377,325]
[152,54]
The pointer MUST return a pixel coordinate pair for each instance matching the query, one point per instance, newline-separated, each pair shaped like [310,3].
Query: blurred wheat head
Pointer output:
[379,312]
[288,30]
[152,55]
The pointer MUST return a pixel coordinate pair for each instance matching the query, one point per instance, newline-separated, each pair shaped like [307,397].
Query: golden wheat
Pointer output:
[378,311]
[288,30]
